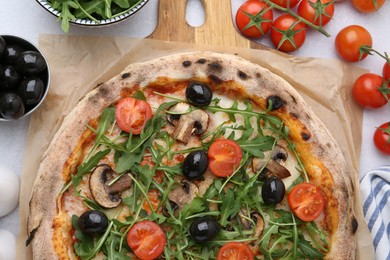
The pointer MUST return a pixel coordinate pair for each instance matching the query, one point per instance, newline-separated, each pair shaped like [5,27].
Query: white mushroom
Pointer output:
[187,122]
[107,196]
[275,164]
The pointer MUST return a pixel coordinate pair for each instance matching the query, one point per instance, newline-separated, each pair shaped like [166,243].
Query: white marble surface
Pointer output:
[26,18]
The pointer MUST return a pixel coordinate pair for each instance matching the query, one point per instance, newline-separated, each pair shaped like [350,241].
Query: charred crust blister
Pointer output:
[258,75]
[215,79]
[275,102]
[215,66]
[294,115]
[186,63]
[201,61]
[31,236]
[355,225]
[242,75]
[293,98]
[126,75]
[305,136]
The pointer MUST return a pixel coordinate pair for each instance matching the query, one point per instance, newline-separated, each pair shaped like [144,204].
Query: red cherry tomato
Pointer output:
[386,71]
[251,16]
[307,11]
[382,138]
[349,40]
[146,239]
[366,91]
[224,157]
[306,201]
[367,6]
[235,251]
[285,25]
[284,3]
[132,114]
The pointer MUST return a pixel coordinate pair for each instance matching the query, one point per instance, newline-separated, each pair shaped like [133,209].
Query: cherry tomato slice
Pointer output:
[224,157]
[294,33]
[366,91]
[349,40]
[306,10]
[382,138]
[254,12]
[146,239]
[367,6]
[235,251]
[284,3]
[132,114]
[306,201]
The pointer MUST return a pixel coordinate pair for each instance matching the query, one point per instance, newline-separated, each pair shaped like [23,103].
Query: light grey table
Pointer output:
[26,18]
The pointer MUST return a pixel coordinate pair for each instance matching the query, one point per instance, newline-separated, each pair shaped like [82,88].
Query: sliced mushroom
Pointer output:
[183,194]
[195,121]
[280,154]
[275,164]
[105,195]
[174,208]
[256,219]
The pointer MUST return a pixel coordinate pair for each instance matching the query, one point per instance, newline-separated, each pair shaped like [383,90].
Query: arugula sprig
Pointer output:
[94,10]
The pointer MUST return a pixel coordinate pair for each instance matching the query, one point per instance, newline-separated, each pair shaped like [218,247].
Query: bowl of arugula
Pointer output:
[91,12]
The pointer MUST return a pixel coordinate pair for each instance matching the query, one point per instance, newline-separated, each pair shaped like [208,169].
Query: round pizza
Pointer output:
[193,156]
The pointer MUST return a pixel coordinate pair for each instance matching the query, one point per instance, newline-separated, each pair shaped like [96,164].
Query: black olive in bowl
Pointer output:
[3,46]
[31,90]
[30,62]
[11,106]
[9,78]
[12,52]
[24,72]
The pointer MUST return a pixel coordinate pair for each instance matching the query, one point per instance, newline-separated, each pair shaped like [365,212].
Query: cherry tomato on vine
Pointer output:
[386,71]
[287,34]
[284,3]
[367,91]
[254,18]
[306,201]
[349,40]
[146,239]
[382,138]
[367,6]
[224,157]
[316,11]
[235,250]
[132,114]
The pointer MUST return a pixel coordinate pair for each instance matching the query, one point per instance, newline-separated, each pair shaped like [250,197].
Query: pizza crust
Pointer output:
[258,83]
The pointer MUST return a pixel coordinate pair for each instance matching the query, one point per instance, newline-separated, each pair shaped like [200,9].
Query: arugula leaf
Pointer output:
[85,243]
[309,251]
[139,94]
[87,166]
[257,145]
[230,207]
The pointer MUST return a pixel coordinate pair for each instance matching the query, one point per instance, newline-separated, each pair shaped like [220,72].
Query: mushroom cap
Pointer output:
[98,185]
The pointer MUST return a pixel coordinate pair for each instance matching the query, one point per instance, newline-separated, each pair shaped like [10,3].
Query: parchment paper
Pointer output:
[79,63]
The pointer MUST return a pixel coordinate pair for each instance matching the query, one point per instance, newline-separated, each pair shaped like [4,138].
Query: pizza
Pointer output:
[196,155]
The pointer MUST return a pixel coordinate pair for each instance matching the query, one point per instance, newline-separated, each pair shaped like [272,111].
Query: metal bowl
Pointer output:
[88,22]
[44,75]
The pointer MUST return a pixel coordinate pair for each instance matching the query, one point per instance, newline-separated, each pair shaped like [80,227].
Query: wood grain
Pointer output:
[218,28]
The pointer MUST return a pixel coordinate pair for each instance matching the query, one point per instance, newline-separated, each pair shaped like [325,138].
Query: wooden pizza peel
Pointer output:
[218,28]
